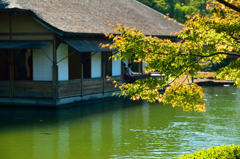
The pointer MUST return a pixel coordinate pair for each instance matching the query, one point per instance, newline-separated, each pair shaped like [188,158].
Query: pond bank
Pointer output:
[208,82]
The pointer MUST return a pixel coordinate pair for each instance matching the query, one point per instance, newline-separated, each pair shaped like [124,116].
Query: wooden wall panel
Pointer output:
[92,86]
[42,89]
[4,88]
[32,89]
[110,86]
[5,25]
[23,23]
[69,88]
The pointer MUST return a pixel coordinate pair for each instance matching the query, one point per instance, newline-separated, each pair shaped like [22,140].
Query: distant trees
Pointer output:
[178,9]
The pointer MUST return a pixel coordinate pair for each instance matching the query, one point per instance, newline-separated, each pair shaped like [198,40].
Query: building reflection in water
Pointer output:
[117,131]
[102,130]
[96,135]
[63,140]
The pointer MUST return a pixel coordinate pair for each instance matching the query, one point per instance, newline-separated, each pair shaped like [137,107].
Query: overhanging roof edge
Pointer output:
[18,44]
[80,44]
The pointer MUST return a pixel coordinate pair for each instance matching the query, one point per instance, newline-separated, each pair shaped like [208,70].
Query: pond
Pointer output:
[120,129]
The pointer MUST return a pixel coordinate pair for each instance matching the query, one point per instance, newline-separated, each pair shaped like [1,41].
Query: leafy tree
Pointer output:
[203,38]
[180,12]
[177,9]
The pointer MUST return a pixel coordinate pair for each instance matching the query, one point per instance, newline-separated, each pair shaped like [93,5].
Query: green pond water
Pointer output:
[120,129]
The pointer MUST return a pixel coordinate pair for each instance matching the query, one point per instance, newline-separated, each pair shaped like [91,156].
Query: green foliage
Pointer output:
[232,71]
[203,39]
[180,12]
[212,66]
[208,66]
[206,75]
[185,95]
[177,9]
[216,152]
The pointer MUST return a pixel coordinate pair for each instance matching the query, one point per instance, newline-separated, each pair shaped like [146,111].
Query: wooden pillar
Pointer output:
[103,67]
[57,82]
[122,72]
[11,75]
[129,60]
[10,25]
[81,79]
[10,81]
[12,62]
[139,69]
[55,71]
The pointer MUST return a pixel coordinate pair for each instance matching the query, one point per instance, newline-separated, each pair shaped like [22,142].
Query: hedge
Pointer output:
[215,152]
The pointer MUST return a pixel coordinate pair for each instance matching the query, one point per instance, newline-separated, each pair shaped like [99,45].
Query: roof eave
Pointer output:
[36,18]
[64,33]
[103,35]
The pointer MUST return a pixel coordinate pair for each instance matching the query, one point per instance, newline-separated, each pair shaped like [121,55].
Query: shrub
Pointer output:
[208,75]
[216,152]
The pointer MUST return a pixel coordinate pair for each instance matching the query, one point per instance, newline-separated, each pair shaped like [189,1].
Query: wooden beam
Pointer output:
[4,34]
[12,61]
[81,79]
[10,82]
[57,82]
[129,60]
[102,64]
[139,65]
[103,67]
[10,25]
[11,75]
[122,72]
[55,72]
[26,34]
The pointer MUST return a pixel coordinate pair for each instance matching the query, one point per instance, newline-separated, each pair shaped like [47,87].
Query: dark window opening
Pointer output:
[136,66]
[86,61]
[74,63]
[4,64]
[21,64]
[108,62]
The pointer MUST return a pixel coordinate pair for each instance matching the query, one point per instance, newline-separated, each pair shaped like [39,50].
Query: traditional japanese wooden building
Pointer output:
[50,53]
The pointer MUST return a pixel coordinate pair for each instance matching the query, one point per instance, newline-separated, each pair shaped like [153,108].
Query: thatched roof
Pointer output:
[91,16]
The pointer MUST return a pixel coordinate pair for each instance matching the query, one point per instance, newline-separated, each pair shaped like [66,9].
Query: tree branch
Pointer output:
[229,5]
[202,56]
[219,53]
[185,70]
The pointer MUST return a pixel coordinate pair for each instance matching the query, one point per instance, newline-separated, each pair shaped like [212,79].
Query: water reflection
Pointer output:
[120,129]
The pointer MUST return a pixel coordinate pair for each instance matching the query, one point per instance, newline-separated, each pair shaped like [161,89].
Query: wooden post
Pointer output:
[10,25]
[129,60]
[10,82]
[139,65]
[11,74]
[103,67]
[56,82]
[81,79]
[122,72]
[55,71]
[12,62]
